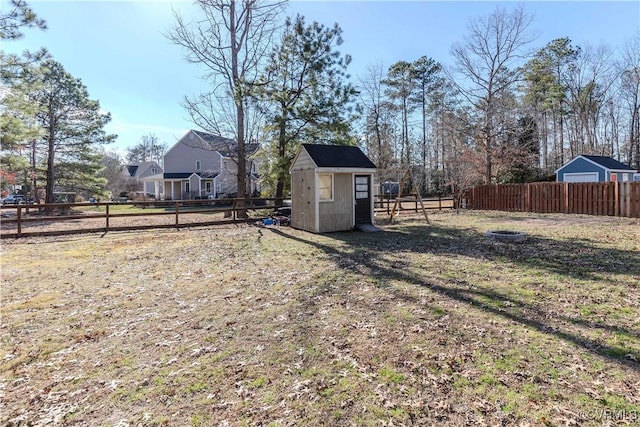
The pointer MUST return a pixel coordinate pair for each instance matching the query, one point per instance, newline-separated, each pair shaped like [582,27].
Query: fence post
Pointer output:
[106,229]
[234,206]
[177,210]
[616,199]
[19,220]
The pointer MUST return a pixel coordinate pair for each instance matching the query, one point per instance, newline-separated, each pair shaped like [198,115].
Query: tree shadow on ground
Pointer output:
[573,259]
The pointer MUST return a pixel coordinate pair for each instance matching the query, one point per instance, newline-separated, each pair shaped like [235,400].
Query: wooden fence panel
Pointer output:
[591,198]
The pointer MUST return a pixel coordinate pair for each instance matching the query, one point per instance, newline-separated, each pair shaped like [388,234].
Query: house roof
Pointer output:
[604,162]
[609,163]
[338,156]
[134,169]
[225,146]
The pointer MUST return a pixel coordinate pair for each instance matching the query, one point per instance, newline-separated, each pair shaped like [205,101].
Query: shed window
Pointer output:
[198,165]
[325,187]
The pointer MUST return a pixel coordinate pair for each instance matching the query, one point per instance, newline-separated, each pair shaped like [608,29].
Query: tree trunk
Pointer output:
[237,91]
[282,152]
[51,153]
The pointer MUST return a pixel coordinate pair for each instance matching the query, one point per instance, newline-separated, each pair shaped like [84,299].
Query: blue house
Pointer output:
[594,169]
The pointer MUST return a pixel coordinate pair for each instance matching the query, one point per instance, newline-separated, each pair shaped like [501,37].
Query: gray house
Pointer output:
[202,165]
[594,169]
[135,173]
[331,188]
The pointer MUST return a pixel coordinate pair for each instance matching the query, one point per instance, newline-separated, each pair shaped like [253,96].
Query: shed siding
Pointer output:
[303,193]
[581,165]
[338,214]
[303,161]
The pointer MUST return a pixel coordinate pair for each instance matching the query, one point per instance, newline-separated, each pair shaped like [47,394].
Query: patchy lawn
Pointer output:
[248,325]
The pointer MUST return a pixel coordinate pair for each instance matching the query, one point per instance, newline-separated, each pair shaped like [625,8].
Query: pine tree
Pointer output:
[71,125]
[304,94]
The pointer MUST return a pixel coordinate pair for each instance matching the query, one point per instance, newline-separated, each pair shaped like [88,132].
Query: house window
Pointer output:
[187,187]
[614,177]
[207,186]
[325,187]
[198,165]
[218,187]
[154,171]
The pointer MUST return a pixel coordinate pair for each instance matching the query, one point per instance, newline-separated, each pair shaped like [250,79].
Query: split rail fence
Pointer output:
[591,198]
[73,218]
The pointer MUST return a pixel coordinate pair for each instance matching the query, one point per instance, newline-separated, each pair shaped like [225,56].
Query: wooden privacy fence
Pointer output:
[591,198]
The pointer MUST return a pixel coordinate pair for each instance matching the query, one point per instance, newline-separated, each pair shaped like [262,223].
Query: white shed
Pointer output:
[331,188]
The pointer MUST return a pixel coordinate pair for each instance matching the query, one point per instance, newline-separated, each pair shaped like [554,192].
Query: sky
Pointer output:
[119,49]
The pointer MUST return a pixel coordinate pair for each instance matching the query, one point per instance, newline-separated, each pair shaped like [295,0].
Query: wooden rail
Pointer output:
[384,203]
[88,216]
[591,198]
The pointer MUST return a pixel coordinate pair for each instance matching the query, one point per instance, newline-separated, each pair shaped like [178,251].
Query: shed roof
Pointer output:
[338,156]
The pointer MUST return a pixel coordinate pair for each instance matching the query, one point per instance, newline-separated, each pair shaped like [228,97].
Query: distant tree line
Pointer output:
[500,112]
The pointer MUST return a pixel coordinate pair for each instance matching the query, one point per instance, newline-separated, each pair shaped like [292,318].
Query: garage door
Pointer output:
[581,177]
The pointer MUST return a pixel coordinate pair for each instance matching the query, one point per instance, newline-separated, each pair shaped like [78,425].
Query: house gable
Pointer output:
[141,170]
[191,152]
[302,160]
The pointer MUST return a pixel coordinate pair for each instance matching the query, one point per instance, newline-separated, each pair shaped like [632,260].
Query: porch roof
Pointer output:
[185,175]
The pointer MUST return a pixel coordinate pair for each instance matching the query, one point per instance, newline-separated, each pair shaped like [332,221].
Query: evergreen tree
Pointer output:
[400,84]
[427,81]
[14,17]
[547,74]
[71,125]
[305,94]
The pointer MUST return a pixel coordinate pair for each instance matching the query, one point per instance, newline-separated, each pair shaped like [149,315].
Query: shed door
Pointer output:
[363,199]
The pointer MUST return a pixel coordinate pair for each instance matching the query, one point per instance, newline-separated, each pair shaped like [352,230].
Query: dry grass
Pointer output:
[247,325]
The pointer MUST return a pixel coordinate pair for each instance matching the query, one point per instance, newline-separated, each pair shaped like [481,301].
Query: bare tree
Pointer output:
[147,150]
[629,69]
[487,60]
[229,39]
